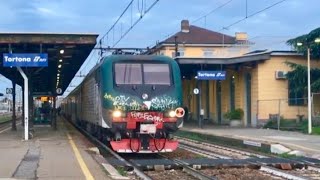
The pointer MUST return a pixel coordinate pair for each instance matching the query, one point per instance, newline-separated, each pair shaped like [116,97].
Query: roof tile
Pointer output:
[198,35]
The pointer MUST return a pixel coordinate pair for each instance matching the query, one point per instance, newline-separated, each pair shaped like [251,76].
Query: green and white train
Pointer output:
[132,102]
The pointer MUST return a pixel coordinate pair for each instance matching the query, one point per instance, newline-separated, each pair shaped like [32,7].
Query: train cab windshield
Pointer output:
[142,73]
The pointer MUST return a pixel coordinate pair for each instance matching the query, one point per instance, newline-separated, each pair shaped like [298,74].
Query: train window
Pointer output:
[128,73]
[157,74]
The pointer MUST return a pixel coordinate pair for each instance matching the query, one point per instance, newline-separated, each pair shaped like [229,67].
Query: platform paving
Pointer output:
[308,144]
[48,155]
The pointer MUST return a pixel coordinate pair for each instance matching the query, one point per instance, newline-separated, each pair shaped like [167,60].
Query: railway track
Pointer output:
[185,172]
[232,153]
[130,166]
[219,152]
[145,166]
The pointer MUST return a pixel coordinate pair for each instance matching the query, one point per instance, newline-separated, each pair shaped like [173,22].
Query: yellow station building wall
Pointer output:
[273,93]
[268,94]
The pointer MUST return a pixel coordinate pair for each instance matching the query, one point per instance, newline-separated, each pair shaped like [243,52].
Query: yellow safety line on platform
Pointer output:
[81,162]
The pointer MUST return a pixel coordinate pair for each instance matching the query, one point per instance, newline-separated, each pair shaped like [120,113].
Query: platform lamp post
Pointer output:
[317,40]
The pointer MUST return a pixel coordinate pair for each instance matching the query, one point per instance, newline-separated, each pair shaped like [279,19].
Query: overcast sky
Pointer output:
[268,29]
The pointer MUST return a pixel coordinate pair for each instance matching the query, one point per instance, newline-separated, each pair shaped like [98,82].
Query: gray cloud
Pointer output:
[290,18]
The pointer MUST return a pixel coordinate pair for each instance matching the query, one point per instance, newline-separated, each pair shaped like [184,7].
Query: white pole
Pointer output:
[26,104]
[309,96]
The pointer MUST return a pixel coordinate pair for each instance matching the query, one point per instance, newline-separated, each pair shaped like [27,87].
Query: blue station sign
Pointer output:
[211,75]
[25,60]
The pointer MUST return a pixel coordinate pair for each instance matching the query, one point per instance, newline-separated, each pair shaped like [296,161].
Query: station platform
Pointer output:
[61,154]
[304,144]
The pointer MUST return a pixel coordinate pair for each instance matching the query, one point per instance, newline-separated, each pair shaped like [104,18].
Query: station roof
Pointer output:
[189,66]
[249,57]
[76,49]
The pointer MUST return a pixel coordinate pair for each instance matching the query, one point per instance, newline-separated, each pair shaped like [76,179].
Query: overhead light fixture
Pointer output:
[59,66]
[58,74]
[60,60]
[299,44]
[58,77]
[61,51]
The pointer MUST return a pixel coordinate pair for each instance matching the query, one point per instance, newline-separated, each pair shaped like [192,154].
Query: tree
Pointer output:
[298,75]
[307,40]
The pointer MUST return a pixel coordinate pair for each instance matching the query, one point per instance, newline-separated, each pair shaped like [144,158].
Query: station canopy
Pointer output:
[66,54]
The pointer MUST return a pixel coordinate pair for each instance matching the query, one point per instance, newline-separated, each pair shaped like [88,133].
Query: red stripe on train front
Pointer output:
[134,145]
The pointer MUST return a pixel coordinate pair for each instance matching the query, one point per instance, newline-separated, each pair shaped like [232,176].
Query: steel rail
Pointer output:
[263,168]
[138,172]
[199,151]
[190,170]
[223,148]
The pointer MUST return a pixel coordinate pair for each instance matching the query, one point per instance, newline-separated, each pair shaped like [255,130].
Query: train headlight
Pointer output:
[116,113]
[172,114]
[144,96]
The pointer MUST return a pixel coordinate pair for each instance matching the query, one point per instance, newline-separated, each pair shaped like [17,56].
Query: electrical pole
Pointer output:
[309,96]
[176,45]
[14,126]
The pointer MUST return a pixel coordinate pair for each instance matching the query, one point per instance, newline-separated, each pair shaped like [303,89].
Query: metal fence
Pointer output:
[287,113]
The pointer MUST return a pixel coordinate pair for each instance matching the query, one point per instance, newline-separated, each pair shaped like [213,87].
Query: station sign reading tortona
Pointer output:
[25,60]
[211,75]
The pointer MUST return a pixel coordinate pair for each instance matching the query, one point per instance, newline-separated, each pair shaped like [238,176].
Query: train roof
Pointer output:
[137,57]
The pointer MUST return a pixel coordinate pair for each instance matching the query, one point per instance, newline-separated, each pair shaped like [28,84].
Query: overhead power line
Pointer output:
[142,9]
[124,11]
[106,34]
[135,23]
[203,16]
[236,22]
[212,11]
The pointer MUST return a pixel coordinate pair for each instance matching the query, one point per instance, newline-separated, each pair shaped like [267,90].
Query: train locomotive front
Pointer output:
[132,102]
[142,102]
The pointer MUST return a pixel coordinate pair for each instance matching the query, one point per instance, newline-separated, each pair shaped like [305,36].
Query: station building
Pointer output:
[255,81]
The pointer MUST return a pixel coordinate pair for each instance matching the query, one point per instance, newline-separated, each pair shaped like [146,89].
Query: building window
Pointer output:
[180,53]
[295,98]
